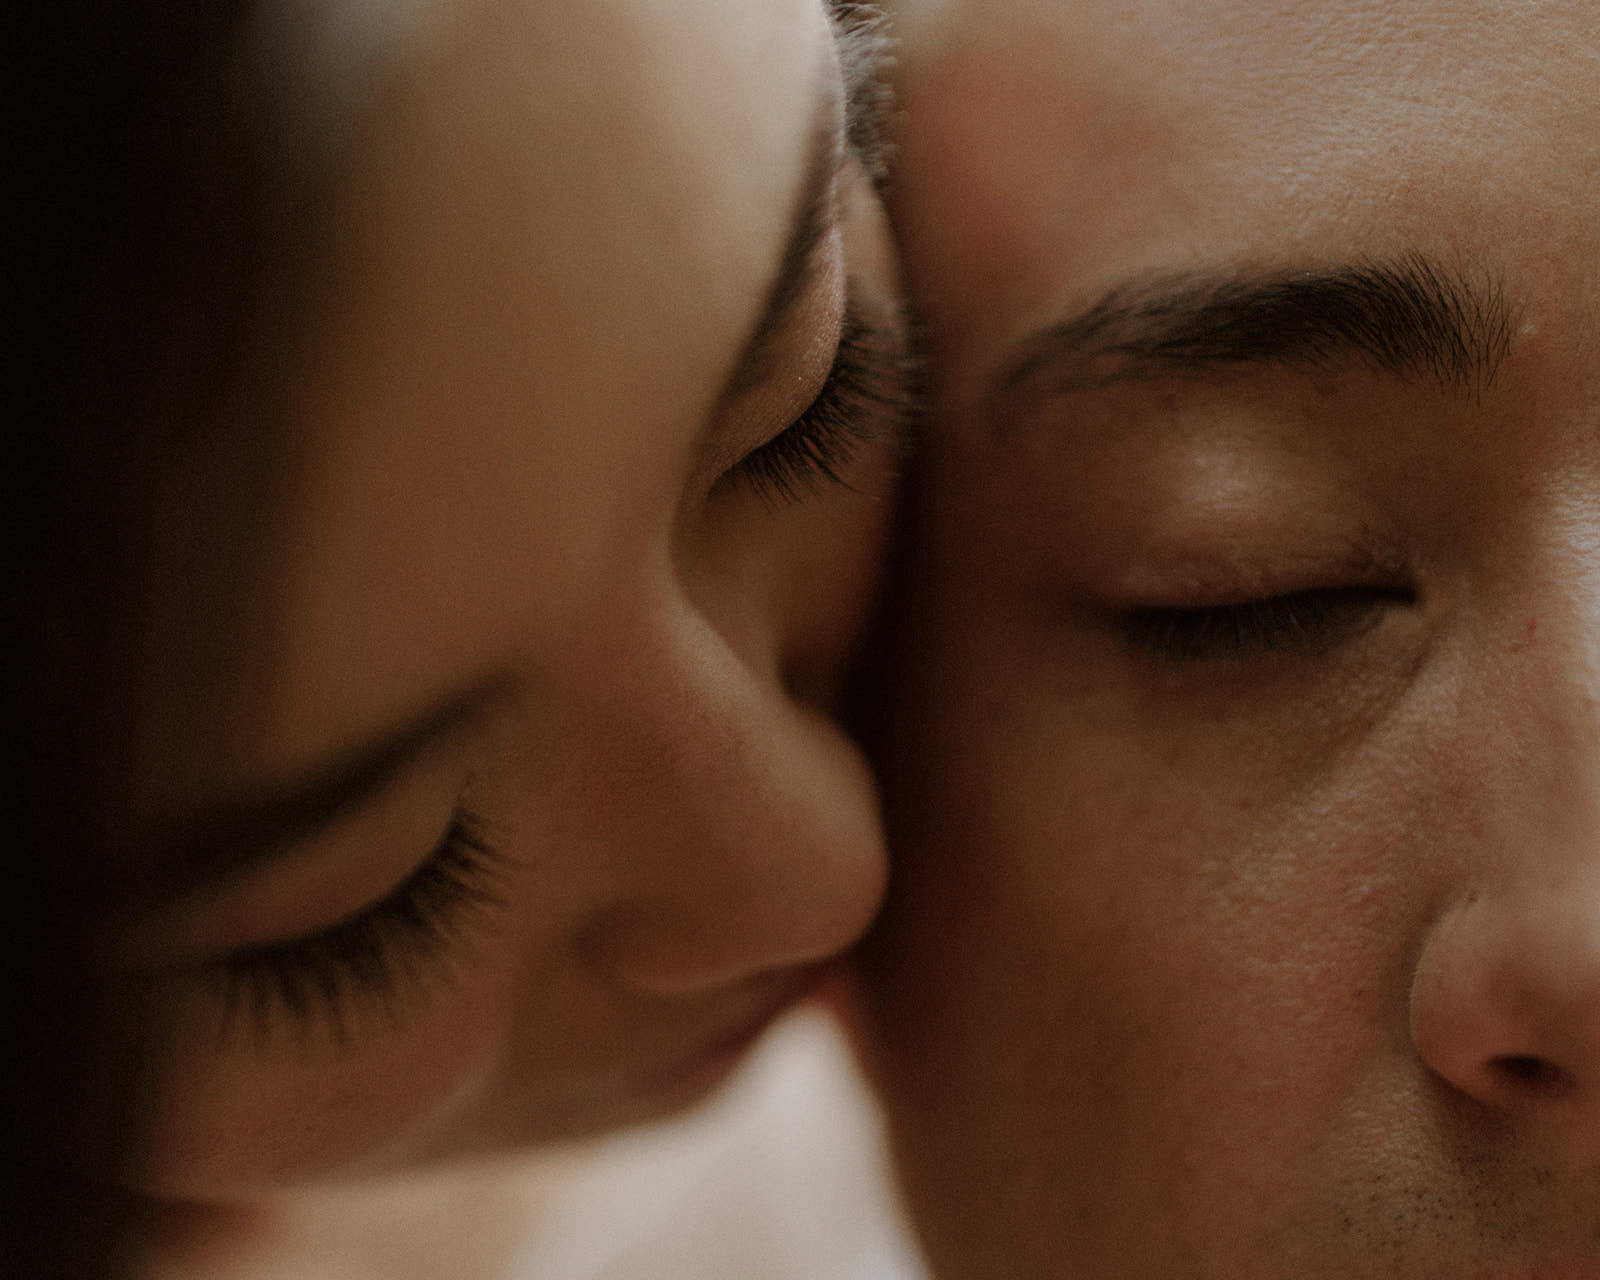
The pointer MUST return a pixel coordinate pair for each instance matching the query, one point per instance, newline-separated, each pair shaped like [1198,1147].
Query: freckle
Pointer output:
[1533,626]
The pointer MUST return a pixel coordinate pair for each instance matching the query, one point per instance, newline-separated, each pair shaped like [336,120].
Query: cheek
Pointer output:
[1124,1005]
[1127,938]
[1173,871]
[235,1119]
[834,585]
[793,592]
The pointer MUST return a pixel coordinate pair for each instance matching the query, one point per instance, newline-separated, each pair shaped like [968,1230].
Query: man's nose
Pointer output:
[1505,999]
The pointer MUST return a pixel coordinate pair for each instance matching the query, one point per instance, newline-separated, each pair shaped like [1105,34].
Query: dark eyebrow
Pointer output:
[1411,318]
[240,834]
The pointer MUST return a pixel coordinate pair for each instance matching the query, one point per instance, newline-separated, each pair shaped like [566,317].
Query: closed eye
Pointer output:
[868,398]
[1313,619]
[323,975]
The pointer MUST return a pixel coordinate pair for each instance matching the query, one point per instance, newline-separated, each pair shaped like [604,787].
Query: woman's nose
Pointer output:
[754,837]
[1505,999]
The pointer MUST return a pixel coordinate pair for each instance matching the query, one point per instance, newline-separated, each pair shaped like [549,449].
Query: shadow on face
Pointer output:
[510,806]
[1242,745]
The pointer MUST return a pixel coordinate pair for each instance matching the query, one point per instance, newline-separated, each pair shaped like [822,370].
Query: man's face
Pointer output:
[1244,768]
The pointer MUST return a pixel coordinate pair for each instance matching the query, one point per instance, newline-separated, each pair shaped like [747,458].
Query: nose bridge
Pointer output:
[1549,701]
[1505,1001]
[752,840]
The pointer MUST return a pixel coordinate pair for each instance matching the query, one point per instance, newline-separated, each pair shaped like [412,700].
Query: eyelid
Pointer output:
[1186,556]
[368,957]
[815,227]
[802,355]
[871,397]
[1311,619]
[250,831]
[333,875]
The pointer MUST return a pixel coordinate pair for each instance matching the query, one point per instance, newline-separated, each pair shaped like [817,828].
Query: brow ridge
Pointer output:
[237,835]
[1410,317]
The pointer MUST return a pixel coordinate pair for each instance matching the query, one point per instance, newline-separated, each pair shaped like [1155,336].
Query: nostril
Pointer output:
[1530,1074]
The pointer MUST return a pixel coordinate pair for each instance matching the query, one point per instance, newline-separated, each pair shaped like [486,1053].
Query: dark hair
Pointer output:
[134,235]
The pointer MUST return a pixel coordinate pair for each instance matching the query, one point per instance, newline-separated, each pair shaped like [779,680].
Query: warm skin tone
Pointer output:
[1244,752]
[518,537]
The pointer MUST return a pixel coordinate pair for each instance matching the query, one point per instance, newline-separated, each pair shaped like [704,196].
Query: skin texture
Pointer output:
[1276,956]
[502,462]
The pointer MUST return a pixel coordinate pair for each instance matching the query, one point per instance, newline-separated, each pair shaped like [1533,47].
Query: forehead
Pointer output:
[550,230]
[1091,142]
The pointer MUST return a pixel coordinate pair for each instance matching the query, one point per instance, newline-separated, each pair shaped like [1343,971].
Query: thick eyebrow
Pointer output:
[239,835]
[1411,318]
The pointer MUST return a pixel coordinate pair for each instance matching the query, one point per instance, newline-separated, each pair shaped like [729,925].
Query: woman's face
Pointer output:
[504,802]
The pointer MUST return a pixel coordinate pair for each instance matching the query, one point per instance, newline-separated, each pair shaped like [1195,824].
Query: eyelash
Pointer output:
[868,398]
[1300,619]
[368,955]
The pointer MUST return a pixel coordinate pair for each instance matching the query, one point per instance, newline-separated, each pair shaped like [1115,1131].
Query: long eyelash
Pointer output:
[1301,618]
[370,955]
[872,396]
